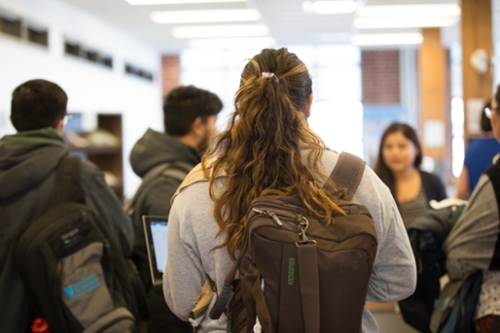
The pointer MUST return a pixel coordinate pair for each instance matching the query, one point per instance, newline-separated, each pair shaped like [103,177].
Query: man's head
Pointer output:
[37,104]
[190,114]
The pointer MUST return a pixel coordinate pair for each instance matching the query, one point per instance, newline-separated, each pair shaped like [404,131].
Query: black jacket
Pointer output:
[28,161]
[151,150]
[433,187]
[427,234]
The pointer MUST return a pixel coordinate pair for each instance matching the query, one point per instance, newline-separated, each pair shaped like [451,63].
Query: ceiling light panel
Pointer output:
[215,31]
[404,22]
[232,43]
[387,39]
[174,2]
[329,7]
[205,16]
[410,10]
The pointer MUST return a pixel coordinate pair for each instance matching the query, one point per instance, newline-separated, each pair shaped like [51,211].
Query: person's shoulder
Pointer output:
[427,176]
[89,169]
[493,171]
[433,186]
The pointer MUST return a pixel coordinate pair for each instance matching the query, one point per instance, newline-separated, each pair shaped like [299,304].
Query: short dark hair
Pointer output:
[37,104]
[186,103]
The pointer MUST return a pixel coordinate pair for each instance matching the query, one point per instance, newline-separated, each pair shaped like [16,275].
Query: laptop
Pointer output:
[155,232]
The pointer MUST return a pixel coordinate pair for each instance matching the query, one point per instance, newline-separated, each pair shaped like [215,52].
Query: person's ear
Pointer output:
[307,109]
[59,127]
[197,126]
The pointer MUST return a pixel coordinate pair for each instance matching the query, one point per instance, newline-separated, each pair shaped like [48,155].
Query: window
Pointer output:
[38,36]
[10,26]
[19,28]
[89,54]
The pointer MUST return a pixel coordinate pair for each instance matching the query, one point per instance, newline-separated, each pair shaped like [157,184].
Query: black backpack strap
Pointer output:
[67,186]
[226,293]
[347,173]
[177,170]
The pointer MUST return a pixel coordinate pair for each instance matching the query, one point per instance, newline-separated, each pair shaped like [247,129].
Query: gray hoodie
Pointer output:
[192,235]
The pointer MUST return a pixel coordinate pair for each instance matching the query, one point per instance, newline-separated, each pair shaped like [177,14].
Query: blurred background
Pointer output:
[429,63]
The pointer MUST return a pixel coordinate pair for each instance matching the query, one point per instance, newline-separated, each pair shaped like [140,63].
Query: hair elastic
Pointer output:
[268,75]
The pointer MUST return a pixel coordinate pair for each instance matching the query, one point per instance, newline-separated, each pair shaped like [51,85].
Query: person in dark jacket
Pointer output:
[399,159]
[473,243]
[189,118]
[28,162]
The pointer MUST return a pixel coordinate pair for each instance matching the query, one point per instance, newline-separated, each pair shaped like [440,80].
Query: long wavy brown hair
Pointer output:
[260,152]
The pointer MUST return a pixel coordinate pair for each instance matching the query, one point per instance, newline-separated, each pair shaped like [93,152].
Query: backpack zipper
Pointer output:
[302,225]
[268,213]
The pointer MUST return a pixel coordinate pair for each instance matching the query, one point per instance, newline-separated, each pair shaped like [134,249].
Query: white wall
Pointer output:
[336,76]
[90,88]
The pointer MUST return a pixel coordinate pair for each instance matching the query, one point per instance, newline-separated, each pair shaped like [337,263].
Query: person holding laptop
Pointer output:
[162,160]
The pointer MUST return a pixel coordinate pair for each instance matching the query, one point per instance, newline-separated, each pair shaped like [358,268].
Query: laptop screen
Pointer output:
[155,231]
[159,233]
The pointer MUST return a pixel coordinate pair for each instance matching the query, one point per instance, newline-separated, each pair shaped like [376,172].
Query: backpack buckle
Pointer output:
[303,225]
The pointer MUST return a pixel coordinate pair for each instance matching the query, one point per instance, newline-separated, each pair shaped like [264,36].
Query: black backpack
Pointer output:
[431,309]
[75,274]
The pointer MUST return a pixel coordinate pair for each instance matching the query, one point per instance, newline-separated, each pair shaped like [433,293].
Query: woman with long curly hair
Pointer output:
[269,149]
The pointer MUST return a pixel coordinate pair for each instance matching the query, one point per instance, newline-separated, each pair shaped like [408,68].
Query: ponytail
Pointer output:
[261,150]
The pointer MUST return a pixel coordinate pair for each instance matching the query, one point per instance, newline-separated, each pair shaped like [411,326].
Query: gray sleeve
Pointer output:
[471,243]
[394,272]
[184,276]
[104,201]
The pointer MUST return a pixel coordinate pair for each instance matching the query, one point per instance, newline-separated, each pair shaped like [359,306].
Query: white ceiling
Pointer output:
[286,20]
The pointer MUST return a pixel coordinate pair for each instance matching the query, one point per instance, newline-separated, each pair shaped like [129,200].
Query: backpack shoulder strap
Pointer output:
[67,187]
[197,175]
[177,170]
[347,173]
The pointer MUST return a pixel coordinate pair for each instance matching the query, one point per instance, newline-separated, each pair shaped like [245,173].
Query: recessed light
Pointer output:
[214,31]
[329,7]
[204,16]
[232,43]
[172,2]
[404,22]
[410,10]
[387,39]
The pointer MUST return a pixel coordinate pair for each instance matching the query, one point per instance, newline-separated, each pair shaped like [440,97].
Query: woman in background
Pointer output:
[399,159]
[478,156]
